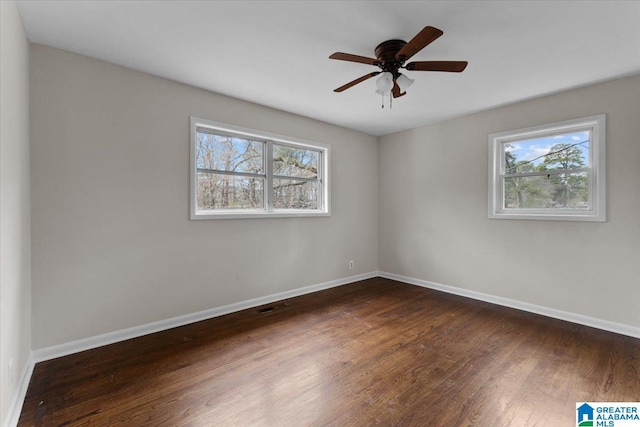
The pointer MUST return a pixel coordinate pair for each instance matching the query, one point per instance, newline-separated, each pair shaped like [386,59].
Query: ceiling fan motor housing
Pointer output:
[386,55]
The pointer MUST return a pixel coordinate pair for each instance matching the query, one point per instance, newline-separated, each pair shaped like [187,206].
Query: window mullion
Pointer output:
[296,178]
[547,172]
[320,179]
[232,173]
[269,179]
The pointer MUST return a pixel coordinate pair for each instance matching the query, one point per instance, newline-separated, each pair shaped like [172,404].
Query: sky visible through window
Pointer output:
[219,152]
[231,174]
[547,172]
[535,151]
[552,171]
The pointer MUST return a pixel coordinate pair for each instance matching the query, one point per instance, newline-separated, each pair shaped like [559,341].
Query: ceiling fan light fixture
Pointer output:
[404,82]
[391,56]
[385,82]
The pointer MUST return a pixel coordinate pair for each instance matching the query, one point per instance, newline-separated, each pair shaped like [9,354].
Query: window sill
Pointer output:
[257,214]
[538,216]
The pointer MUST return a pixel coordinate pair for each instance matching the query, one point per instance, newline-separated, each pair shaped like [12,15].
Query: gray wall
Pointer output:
[113,246]
[15,240]
[433,211]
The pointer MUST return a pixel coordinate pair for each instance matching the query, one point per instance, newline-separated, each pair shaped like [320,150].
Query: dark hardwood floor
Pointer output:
[376,352]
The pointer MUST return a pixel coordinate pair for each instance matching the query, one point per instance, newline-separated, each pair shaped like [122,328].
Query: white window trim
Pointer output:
[269,138]
[597,213]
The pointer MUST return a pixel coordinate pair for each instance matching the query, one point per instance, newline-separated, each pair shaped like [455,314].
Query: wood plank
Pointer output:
[377,352]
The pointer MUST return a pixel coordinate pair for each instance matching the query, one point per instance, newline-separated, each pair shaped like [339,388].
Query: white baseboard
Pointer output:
[65,349]
[580,319]
[15,406]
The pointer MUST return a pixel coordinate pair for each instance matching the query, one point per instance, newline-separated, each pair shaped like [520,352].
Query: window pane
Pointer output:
[291,194]
[564,151]
[220,152]
[563,191]
[295,162]
[217,191]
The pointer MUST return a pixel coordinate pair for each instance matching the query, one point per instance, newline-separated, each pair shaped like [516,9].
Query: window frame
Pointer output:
[268,139]
[595,171]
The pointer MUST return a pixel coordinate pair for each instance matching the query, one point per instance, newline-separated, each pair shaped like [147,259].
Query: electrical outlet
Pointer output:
[11,379]
[351,265]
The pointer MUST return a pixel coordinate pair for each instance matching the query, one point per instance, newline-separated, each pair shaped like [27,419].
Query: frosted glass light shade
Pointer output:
[385,82]
[404,82]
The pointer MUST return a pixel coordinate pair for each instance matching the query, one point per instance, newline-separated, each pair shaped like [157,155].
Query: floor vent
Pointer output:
[272,308]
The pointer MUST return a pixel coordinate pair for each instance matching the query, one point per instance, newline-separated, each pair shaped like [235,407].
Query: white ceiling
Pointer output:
[275,53]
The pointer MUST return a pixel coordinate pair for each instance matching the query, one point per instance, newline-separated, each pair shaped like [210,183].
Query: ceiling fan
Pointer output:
[391,56]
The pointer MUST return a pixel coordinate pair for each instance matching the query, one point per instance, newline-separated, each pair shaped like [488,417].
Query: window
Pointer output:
[243,173]
[549,172]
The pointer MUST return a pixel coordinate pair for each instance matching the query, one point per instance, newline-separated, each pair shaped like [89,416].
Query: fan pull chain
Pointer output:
[390,101]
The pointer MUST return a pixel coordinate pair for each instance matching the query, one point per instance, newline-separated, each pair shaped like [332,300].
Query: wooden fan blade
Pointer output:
[356,81]
[419,42]
[353,58]
[450,66]
[396,90]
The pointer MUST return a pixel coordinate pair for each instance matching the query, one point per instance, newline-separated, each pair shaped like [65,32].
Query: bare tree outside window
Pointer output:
[238,174]
[230,190]
[288,164]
